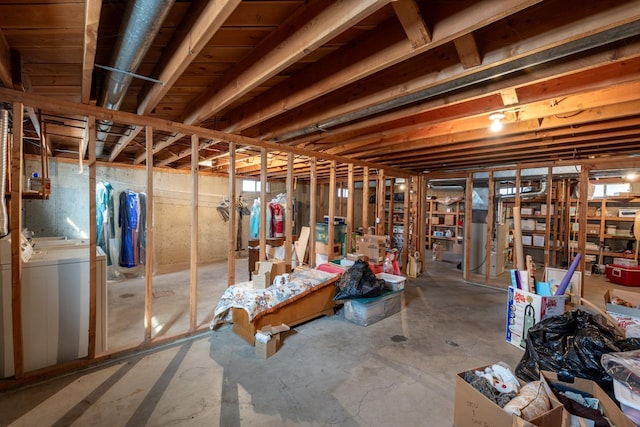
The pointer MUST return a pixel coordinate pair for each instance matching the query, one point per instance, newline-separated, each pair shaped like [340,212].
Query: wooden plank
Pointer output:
[332,209]
[15,227]
[93,269]
[406,219]
[410,17]
[263,205]
[490,224]
[391,208]
[467,51]
[193,270]
[91,20]
[289,212]
[380,192]
[60,15]
[350,208]
[357,61]
[365,199]
[300,35]
[191,38]
[232,240]
[5,62]
[468,197]
[148,268]
[313,202]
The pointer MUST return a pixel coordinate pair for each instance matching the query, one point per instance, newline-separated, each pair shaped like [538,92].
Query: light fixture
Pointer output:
[630,177]
[496,122]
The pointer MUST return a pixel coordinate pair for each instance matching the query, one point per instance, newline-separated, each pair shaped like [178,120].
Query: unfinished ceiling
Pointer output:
[408,84]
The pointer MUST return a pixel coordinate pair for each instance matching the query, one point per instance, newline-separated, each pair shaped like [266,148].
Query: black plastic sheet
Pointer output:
[359,281]
[572,343]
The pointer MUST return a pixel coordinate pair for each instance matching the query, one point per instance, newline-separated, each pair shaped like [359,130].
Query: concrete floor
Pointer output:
[397,372]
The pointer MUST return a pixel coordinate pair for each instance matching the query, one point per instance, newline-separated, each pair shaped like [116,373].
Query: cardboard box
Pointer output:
[541,226]
[324,249]
[263,276]
[631,298]
[527,224]
[526,211]
[436,219]
[525,309]
[543,209]
[538,240]
[272,336]
[449,219]
[473,409]
[437,252]
[278,267]
[593,229]
[527,240]
[591,210]
[609,407]
[554,277]
[372,246]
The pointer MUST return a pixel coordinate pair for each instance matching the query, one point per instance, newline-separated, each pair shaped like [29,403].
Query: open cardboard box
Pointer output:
[263,277]
[269,348]
[609,407]
[473,409]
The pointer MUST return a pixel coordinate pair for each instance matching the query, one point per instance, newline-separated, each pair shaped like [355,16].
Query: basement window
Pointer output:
[343,193]
[251,186]
[611,190]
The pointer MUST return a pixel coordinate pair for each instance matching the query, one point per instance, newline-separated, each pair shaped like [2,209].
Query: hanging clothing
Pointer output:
[254,220]
[105,222]
[128,222]
[277,219]
[142,229]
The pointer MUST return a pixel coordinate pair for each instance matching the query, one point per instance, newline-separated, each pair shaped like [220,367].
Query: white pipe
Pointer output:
[4,144]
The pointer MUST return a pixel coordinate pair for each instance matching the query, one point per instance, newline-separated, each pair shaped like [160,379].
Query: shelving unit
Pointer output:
[445,225]
[608,234]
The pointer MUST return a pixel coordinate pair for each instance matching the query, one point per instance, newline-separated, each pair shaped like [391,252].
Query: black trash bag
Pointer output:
[574,343]
[359,281]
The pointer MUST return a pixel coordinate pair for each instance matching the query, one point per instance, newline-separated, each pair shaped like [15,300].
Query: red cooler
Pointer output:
[623,275]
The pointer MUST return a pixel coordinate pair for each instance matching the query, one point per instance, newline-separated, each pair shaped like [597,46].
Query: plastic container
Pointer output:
[629,401]
[365,311]
[393,282]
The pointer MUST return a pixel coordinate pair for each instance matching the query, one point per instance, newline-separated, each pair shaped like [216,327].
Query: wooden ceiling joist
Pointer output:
[410,17]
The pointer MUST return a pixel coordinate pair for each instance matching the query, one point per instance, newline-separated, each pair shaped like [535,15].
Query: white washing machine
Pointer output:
[55,306]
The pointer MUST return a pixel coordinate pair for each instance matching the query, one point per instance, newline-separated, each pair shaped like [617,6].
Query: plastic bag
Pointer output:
[574,343]
[359,281]
[624,367]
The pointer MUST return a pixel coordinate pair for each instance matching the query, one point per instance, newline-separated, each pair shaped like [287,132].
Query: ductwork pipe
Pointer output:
[142,21]
[529,194]
[4,144]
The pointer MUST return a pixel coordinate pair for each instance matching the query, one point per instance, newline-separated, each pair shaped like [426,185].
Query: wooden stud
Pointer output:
[233,218]
[365,199]
[148,268]
[468,197]
[350,207]
[312,211]
[193,258]
[93,270]
[332,209]
[409,15]
[5,62]
[467,50]
[289,219]
[391,210]
[490,223]
[91,20]
[263,204]
[16,234]
[406,220]
[380,193]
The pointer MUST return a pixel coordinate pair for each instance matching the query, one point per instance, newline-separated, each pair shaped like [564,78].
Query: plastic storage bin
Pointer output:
[629,401]
[393,282]
[366,311]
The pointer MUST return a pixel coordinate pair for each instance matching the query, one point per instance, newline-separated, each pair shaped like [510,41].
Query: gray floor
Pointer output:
[397,372]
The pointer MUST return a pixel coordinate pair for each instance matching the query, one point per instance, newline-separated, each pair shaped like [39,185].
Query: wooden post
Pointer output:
[312,211]
[467,227]
[390,221]
[288,225]
[365,199]
[350,206]
[320,217]
[16,233]
[549,246]
[422,218]
[380,192]
[193,291]
[233,214]
[332,208]
[263,204]
[582,215]
[148,299]
[406,217]
[490,221]
[93,290]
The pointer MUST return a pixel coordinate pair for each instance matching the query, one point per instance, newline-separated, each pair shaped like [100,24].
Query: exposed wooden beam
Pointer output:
[467,50]
[509,96]
[300,35]
[123,142]
[232,241]
[203,20]
[92,10]
[408,12]
[93,268]
[336,106]
[358,61]
[15,228]
[5,62]
[171,127]
[148,267]
[193,258]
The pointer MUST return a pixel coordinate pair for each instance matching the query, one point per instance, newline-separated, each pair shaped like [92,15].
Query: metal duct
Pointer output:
[529,194]
[142,21]
[4,144]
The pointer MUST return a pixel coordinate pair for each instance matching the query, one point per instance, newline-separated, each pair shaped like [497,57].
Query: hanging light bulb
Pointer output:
[496,122]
